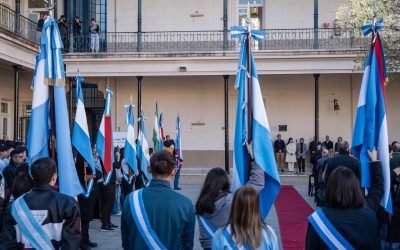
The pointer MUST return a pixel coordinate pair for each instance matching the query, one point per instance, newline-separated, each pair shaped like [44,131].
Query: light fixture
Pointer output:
[196,14]
[336,105]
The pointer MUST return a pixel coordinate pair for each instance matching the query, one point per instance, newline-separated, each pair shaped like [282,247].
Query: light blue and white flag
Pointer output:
[178,140]
[50,71]
[261,138]
[80,134]
[130,145]
[370,129]
[143,148]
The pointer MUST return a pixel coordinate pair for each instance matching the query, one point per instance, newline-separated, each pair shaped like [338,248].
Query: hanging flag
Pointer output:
[178,143]
[104,142]
[143,148]
[130,145]
[49,71]
[80,133]
[260,136]
[156,132]
[370,129]
[161,125]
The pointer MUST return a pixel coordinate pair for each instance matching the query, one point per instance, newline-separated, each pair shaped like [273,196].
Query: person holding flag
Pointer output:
[59,223]
[105,149]
[178,153]
[157,140]
[143,149]
[349,220]
[84,166]
[129,163]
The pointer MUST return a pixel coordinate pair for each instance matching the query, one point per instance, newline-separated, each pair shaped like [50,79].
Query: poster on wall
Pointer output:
[119,139]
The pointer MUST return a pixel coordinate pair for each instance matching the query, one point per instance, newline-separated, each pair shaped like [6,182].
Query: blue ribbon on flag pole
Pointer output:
[372,27]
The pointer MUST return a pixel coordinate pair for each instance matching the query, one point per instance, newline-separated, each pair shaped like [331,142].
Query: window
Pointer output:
[28,110]
[98,11]
[4,118]
[37,4]
[4,107]
[5,126]
[251,2]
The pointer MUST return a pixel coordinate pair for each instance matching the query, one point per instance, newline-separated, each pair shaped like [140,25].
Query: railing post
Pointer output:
[17,69]
[139,25]
[17,16]
[139,107]
[316,40]
[226,95]
[225,17]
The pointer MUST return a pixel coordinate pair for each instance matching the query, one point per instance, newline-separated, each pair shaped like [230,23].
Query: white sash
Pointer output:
[126,178]
[327,232]
[28,225]
[207,226]
[142,221]
[2,186]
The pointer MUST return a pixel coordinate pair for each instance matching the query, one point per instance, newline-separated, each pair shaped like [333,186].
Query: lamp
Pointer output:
[336,105]
[182,69]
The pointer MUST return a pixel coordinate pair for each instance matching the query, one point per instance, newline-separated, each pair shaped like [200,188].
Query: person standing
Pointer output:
[290,154]
[86,202]
[328,144]
[314,147]
[77,27]
[63,27]
[157,217]
[301,150]
[169,144]
[279,148]
[55,217]
[94,36]
[245,229]
[339,140]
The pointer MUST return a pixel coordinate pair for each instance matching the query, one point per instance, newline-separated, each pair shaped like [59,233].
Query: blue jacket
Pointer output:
[171,216]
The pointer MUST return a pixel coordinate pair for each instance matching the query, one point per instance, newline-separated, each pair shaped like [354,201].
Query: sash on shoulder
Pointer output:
[327,232]
[90,187]
[126,178]
[28,225]
[207,225]
[227,235]
[142,221]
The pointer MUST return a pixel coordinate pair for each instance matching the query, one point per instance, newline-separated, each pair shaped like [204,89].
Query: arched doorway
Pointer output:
[94,105]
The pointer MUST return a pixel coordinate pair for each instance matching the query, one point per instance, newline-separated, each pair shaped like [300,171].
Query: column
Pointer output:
[71,33]
[225,18]
[316,105]
[316,45]
[226,94]
[17,69]
[139,104]
[17,16]
[139,27]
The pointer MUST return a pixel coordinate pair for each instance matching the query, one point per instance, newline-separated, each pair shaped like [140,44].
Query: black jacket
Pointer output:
[328,145]
[342,159]
[279,145]
[359,226]
[8,173]
[63,219]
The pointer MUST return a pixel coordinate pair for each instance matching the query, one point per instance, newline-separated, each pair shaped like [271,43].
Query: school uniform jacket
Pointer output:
[60,220]
[171,216]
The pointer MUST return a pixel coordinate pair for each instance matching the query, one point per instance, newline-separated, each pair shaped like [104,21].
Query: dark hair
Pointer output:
[20,186]
[162,163]
[42,170]
[21,169]
[289,140]
[343,190]
[344,147]
[216,183]
[16,151]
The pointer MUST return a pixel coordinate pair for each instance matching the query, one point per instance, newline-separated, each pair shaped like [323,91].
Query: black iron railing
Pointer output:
[208,41]
[27,27]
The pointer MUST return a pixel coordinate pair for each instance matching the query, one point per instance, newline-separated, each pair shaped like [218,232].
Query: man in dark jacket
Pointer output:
[18,156]
[57,214]
[76,28]
[63,27]
[342,159]
[170,214]
[279,148]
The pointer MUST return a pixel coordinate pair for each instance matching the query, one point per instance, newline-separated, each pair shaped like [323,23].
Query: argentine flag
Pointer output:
[157,140]
[261,138]
[80,134]
[143,148]
[370,129]
[130,145]
[49,70]
[104,141]
[178,140]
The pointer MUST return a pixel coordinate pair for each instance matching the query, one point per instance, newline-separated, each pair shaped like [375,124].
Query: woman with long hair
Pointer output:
[214,203]
[349,220]
[290,154]
[245,229]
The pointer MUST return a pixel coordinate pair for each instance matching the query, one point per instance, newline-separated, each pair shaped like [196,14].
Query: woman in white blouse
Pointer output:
[290,154]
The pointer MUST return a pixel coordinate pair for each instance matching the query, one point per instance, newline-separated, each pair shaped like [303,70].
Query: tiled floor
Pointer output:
[191,186]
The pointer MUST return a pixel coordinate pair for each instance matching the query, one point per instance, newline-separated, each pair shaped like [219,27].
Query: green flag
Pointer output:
[156,133]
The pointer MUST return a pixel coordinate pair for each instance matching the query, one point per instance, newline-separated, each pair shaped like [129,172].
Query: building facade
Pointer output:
[181,55]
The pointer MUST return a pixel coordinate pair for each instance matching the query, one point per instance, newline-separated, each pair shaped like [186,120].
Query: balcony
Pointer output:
[26,29]
[217,41]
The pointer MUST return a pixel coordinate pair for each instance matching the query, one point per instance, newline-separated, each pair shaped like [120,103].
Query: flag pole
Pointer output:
[52,143]
[249,87]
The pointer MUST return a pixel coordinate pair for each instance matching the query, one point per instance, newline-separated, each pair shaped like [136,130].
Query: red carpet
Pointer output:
[292,213]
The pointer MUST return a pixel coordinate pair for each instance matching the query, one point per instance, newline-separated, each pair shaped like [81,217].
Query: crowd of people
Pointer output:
[79,39]
[155,216]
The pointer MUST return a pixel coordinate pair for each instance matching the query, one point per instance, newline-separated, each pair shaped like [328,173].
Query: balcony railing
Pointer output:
[213,41]
[26,29]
